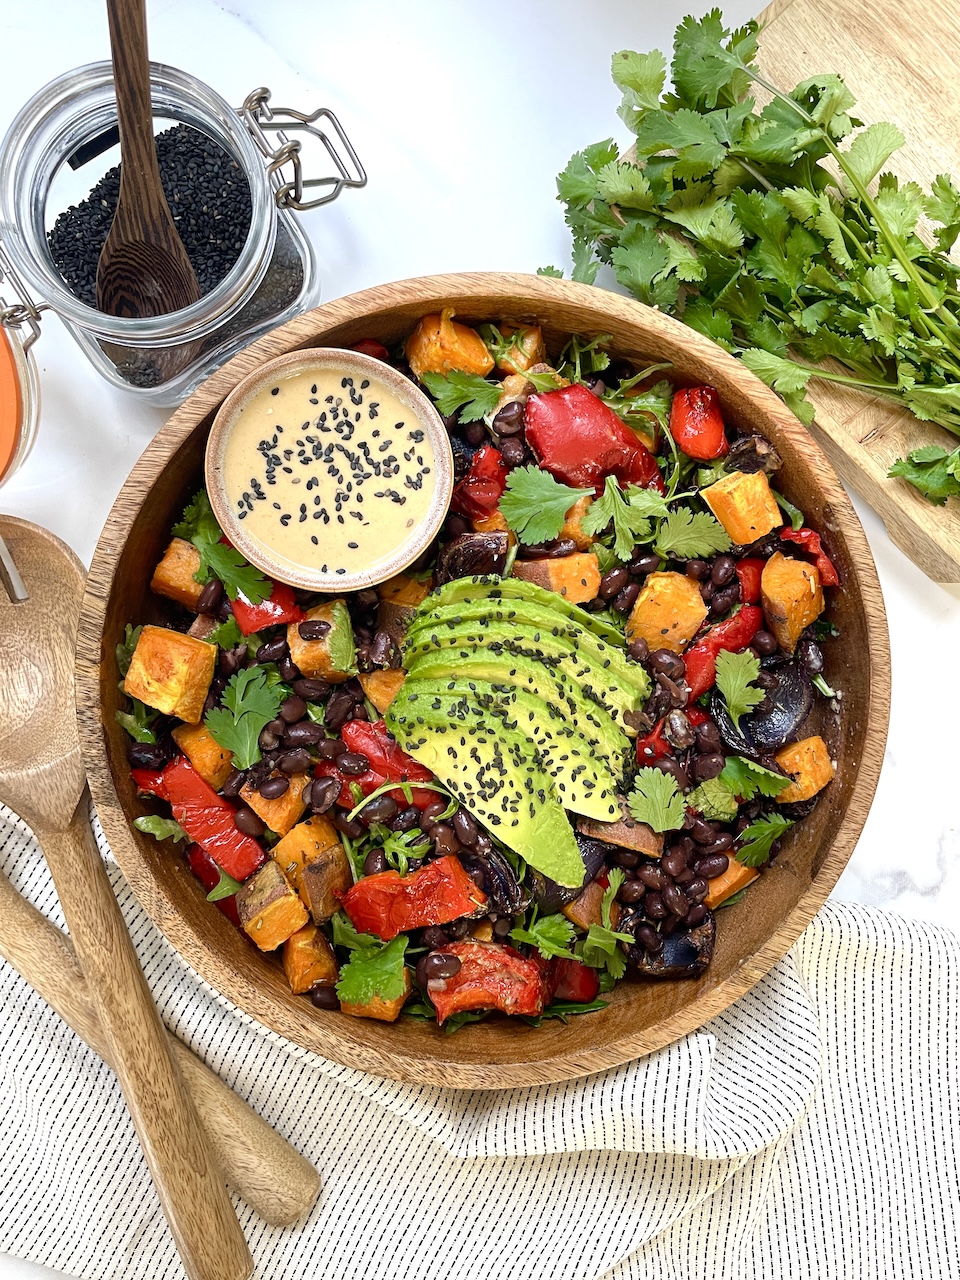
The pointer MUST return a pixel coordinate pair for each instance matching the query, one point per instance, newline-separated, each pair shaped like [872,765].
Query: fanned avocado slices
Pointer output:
[493,771]
[463,590]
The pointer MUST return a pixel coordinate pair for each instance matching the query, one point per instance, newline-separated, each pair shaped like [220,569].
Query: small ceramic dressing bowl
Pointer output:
[329,470]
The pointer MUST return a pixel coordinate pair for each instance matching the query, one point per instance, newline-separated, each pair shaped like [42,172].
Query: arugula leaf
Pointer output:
[474,396]
[600,949]
[551,935]
[736,674]
[249,704]
[656,800]
[714,800]
[564,1009]
[686,534]
[225,887]
[581,357]
[745,778]
[758,839]
[138,722]
[628,512]
[131,637]
[161,828]
[368,974]
[199,526]
[732,900]
[535,505]
[793,514]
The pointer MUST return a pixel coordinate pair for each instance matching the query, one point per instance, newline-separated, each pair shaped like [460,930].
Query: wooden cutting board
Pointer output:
[900,59]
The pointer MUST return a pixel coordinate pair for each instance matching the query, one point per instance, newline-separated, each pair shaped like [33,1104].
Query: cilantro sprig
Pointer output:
[656,800]
[599,949]
[745,778]
[736,676]
[250,702]
[535,505]
[686,534]
[628,513]
[551,935]
[758,839]
[474,396]
[373,972]
[199,526]
[762,230]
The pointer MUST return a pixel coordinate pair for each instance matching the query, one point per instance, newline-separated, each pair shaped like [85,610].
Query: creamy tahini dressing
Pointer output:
[329,470]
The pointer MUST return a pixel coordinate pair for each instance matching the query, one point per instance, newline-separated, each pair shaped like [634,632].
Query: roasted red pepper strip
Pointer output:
[208,873]
[206,817]
[388,903]
[370,347]
[696,423]
[280,607]
[571,980]
[490,977]
[810,542]
[580,440]
[734,634]
[388,763]
[479,492]
[749,572]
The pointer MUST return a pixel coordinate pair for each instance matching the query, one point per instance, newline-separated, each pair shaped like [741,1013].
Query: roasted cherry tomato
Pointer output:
[696,423]
[479,492]
[572,980]
[370,347]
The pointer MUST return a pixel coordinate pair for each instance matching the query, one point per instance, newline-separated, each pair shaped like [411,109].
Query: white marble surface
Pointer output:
[463,114]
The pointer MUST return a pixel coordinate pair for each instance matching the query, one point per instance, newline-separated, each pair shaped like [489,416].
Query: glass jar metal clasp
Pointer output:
[285,162]
[24,313]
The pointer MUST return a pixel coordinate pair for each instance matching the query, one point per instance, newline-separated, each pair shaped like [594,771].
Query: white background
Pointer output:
[463,113]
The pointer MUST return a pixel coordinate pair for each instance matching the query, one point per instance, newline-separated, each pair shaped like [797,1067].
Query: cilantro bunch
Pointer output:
[764,230]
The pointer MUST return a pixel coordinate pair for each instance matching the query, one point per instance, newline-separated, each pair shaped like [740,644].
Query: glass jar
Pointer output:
[162,359]
[19,383]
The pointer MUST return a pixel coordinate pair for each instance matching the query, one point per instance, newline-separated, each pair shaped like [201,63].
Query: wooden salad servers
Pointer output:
[144,269]
[42,779]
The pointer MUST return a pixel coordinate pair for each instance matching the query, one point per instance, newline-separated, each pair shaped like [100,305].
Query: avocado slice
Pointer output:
[494,773]
[464,590]
[570,696]
[583,782]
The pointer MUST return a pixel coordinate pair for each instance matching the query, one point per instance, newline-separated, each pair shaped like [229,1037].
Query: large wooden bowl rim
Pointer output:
[343,1039]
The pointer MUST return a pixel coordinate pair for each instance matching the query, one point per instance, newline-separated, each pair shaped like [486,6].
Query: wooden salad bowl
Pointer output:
[641,1016]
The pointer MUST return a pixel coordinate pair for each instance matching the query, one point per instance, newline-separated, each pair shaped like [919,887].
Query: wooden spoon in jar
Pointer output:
[144,269]
[42,780]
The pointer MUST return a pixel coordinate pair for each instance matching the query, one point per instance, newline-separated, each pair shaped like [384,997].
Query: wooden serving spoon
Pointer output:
[42,779]
[144,269]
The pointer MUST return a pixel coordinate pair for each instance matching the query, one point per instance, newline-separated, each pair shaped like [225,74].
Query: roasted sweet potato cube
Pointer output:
[405,590]
[173,576]
[809,764]
[573,525]
[213,762]
[493,523]
[382,1010]
[587,909]
[731,881]
[381,687]
[526,349]
[269,909]
[334,657]
[628,833]
[576,577]
[792,597]
[744,505]
[280,814]
[439,344]
[668,613]
[312,858]
[482,931]
[171,672]
[308,960]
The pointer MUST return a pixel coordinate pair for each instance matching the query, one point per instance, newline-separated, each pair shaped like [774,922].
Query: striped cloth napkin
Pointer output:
[812,1130]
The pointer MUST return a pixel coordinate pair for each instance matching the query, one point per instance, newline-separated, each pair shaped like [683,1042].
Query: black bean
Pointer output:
[250,823]
[444,838]
[145,755]
[707,766]
[274,788]
[353,763]
[311,690]
[649,939]
[367,599]
[296,761]
[210,597]
[268,740]
[675,900]
[765,643]
[292,709]
[723,842]
[664,662]
[630,891]
[456,526]
[442,965]
[666,764]
[323,793]
[612,582]
[642,565]
[465,827]
[810,656]
[406,819]
[228,663]
[313,629]
[712,865]
[474,433]
[224,610]
[381,648]
[685,876]
[698,570]
[233,784]
[323,996]
[651,875]
[288,669]
[702,832]
[433,936]
[458,929]
[502,926]
[433,811]
[707,590]
[273,650]
[696,915]
[330,748]
[624,600]
[708,737]
[513,451]
[678,730]
[375,863]
[626,858]
[673,863]
[696,889]
[352,828]
[558,549]
[638,649]
[724,600]
[723,571]
[509,421]
[654,905]
[382,809]
[339,709]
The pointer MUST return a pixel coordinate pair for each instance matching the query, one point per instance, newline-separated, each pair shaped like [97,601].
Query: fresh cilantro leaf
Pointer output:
[535,505]
[628,513]
[345,935]
[656,800]
[199,526]
[370,974]
[758,839]
[932,470]
[736,674]
[554,272]
[745,778]
[820,684]
[585,265]
[225,887]
[161,828]
[615,879]
[943,206]
[642,75]
[249,704]
[228,635]
[131,637]
[793,514]
[551,935]
[577,185]
[685,534]
[714,801]
[138,722]
[474,396]
[625,185]
[599,949]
